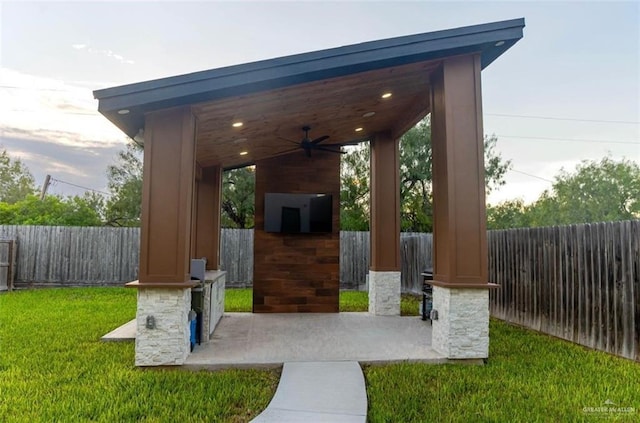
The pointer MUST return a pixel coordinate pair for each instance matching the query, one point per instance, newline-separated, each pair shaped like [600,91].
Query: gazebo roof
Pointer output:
[332,91]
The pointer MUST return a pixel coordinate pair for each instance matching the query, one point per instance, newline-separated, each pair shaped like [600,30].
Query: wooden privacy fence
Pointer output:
[7,263]
[74,256]
[78,256]
[578,282]
[236,256]
[415,255]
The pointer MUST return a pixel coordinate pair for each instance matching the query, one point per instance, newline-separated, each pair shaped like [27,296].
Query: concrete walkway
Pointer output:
[318,392]
[126,332]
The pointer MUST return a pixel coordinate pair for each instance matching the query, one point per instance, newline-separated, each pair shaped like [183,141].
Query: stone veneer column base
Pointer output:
[384,293]
[169,342]
[462,328]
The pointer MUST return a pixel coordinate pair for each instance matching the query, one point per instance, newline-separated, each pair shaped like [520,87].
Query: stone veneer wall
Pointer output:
[462,328]
[168,343]
[384,293]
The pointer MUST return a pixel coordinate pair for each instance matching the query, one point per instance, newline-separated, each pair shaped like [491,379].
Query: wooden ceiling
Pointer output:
[273,120]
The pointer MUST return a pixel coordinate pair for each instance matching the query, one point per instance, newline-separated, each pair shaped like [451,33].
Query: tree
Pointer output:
[125,184]
[354,189]
[416,213]
[416,210]
[597,191]
[238,198]
[52,210]
[509,214]
[16,182]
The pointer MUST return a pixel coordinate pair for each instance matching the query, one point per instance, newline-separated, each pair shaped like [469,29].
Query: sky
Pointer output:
[568,91]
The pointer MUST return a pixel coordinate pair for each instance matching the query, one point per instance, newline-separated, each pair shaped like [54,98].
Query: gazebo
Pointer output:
[197,125]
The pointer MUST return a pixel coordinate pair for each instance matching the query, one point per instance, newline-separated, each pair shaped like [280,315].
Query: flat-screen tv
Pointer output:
[298,213]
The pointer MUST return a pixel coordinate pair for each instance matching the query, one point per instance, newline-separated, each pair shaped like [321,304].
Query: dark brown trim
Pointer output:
[164,285]
[384,268]
[464,285]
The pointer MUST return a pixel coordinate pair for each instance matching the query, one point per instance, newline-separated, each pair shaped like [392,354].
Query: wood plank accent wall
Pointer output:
[297,272]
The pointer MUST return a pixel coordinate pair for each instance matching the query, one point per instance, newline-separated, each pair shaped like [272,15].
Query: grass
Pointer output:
[54,368]
[529,377]
[241,300]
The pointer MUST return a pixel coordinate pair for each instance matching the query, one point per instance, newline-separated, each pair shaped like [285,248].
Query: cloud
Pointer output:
[54,127]
[46,108]
[81,165]
[102,52]
[60,138]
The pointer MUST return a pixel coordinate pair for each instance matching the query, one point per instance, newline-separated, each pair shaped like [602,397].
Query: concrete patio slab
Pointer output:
[248,340]
[318,392]
[126,332]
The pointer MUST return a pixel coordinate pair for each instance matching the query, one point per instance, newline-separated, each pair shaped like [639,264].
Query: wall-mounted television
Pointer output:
[298,213]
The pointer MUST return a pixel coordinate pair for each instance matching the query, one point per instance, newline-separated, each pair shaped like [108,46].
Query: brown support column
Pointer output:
[207,225]
[460,233]
[167,197]
[385,204]
[460,294]
[384,274]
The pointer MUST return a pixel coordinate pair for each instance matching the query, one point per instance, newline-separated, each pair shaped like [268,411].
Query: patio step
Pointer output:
[327,391]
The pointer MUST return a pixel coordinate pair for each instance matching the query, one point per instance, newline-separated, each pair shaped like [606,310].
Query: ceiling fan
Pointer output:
[307,144]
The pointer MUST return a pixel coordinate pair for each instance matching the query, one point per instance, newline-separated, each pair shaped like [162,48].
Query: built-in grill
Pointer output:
[427,293]
[198,269]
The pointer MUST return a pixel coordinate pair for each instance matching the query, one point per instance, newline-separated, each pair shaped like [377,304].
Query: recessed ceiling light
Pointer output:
[386,95]
[358,129]
[123,111]
[237,124]
[244,153]
[368,114]
[499,43]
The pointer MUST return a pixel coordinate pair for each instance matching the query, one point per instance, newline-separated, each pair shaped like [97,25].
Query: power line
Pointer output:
[627,122]
[80,186]
[570,139]
[533,176]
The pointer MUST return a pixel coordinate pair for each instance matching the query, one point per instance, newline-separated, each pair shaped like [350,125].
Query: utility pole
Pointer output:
[45,186]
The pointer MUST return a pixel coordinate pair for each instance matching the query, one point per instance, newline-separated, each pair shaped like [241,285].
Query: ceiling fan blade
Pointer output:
[287,139]
[354,141]
[291,150]
[320,147]
[319,140]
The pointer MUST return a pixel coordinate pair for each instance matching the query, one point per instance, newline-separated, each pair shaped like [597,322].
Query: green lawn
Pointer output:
[241,299]
[54,368]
